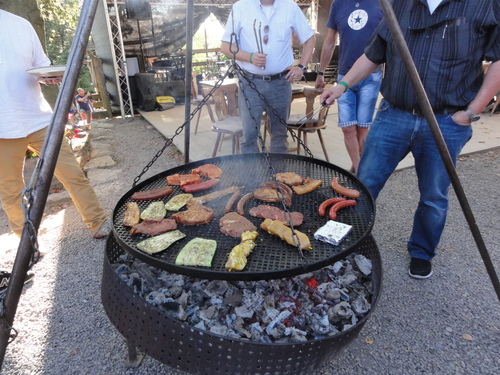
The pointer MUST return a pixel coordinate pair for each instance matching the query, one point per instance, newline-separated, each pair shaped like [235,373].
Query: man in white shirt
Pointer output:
[25,117]
[264,31]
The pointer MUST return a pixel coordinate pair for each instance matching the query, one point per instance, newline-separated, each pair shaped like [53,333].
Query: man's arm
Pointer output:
[361,70]
[307,50]
[489,88]
[255,58]
[326,55]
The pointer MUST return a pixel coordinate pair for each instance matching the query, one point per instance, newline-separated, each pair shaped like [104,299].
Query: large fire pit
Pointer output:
[178,345]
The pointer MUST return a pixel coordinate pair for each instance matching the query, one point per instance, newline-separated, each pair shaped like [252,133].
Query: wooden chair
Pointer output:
[228,122]
[305,124]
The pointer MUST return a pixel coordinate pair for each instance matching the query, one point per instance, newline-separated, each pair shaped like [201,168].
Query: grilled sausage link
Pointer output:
[323,206]
[152,194]
[339,205]
[351,193]
[201,186]
[240,207]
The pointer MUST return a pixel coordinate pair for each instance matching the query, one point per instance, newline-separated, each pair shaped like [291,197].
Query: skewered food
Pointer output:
[152,194]
[154,227]
[308,186]
[332,232]
[351,193]
[279,229]
[197,252]
[154,211]
[232,224]
[159,243]
[265,211]
[237,259]
[290,178]
[177,202]
[208,170]
[196,214]
[183,179]
[132,214]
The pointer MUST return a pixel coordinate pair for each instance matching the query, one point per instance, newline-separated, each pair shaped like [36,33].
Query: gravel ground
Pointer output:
[448,324]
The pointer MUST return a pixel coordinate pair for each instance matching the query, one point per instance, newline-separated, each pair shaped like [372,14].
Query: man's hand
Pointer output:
[461,118]
[329,95]
[259,59]
[320,82]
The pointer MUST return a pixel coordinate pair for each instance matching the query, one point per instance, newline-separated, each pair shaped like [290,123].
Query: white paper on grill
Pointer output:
[332,232]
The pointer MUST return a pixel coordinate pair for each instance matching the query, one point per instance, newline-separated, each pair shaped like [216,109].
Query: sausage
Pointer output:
[284,189]
[323,206]
[201,185]
[337,206]
[351,193]
[240,207]
[152,194]
[230,203]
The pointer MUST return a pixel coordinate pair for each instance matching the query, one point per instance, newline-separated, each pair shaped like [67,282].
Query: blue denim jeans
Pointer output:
[393,134]
[356,105]
[278,94]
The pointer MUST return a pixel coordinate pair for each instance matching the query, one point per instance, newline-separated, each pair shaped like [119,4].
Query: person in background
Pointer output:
[353,22]
[24,127]
[448,41]
[83,101]
[267,62]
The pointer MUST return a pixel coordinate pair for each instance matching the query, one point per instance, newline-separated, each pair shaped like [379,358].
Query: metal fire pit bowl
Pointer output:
[272,257]
[189,349]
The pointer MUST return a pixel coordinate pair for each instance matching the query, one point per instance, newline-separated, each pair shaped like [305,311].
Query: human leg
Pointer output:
[69,173]
[433,182]
[13,152]
[250,108]
[387,143]
[278,94]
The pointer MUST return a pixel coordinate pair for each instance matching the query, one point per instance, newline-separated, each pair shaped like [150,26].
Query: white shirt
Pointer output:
[283,19]
[23,107]
[433,4]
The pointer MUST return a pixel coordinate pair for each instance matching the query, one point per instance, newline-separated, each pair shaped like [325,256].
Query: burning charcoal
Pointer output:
[209,313]
[269,300]
[339,312]
[364,264]
[175,291]
[156,298]
[244,312]
[219,330]
[136,283]
[201,326]
[348,279]
[192,310]
[216,300]
[234,299]
[299,322]
[337,266]
[360,305]
[216,287]
[343,295]
[183,300]
[282,316]
[146,273]
[333,295]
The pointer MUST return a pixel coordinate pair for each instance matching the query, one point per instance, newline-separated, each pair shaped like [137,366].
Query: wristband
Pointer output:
[251,55]
[346,86]
[321,73]
[302,67]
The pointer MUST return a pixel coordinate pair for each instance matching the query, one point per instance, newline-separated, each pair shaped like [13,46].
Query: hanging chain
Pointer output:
[179,130]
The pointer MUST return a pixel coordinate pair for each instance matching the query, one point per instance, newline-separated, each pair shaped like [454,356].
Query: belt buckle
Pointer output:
[267,78]
[415,112]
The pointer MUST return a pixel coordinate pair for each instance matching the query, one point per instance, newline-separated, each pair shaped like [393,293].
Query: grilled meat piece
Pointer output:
[132,214]
[308,186]
[232,224]
[265,211]
[290,178]
[208,170]
[151,194]
[268,192]
[216,195]
[196,214]
[153,227]
[183,179]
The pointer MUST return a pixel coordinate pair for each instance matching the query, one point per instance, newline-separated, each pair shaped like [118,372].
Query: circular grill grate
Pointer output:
[272,257]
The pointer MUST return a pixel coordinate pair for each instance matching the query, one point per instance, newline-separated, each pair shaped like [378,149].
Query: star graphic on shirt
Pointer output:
[357,19]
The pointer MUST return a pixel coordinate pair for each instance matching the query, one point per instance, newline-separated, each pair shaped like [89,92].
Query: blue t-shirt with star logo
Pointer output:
[355,22]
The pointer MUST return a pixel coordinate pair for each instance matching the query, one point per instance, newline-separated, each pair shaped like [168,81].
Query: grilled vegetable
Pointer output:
[197,252]
[154,211]
[159,243]
[177,202]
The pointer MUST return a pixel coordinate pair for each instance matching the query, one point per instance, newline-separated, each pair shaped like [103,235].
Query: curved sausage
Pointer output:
[308,186]
[152,194]
[337,206]
[240,207]
[323,206]
[201,186]
[230,203]
[351,193]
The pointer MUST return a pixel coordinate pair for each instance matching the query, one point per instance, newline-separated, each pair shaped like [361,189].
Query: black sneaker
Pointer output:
[5,277]
[420,268]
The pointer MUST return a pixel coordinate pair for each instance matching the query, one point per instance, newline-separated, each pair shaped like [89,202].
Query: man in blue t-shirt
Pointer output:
[83,102]
[353,21]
